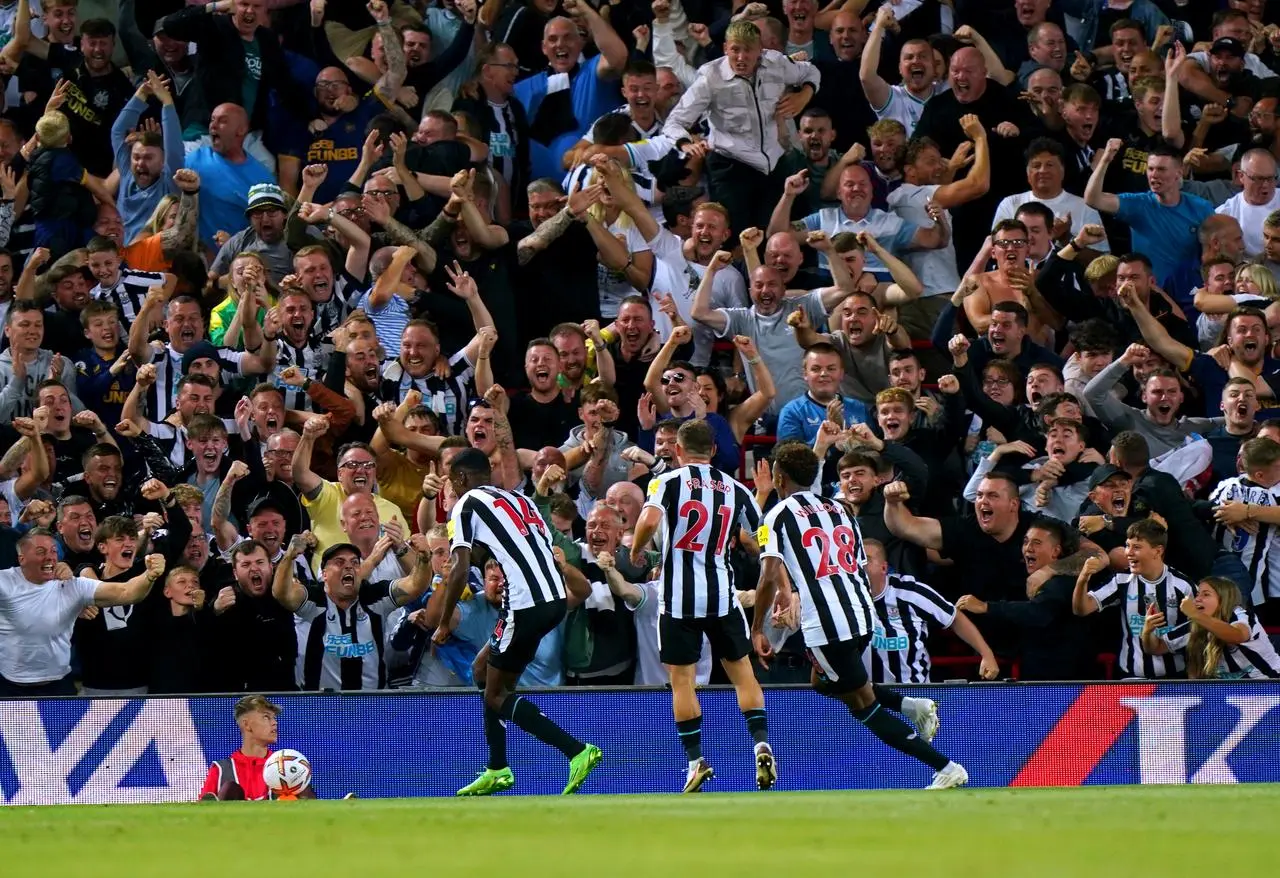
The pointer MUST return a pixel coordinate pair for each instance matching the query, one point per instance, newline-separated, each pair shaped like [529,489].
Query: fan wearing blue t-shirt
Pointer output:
[1164,220]
[337,138]
[565,99]
[802,417]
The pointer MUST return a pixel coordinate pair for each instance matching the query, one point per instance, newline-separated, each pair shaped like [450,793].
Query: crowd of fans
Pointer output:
[1009,267]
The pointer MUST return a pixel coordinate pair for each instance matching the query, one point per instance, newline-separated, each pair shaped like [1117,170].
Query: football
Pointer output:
[286,772]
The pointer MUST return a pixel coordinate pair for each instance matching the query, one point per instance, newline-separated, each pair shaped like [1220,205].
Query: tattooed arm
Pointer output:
[398,233]
[543,236]
[511,473]
[182,236]
[442,226]
[14,456]
[223,530]
[388,85]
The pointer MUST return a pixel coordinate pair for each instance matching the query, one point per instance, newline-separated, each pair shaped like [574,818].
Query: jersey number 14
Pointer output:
[523,519]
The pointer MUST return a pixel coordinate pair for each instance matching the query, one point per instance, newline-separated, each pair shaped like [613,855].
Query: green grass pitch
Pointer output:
[1095,831]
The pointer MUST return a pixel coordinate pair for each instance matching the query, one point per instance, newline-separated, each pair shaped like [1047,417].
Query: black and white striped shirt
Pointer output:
[904,611]
[1137,593]
[1258,552]
[447,397]
[513,531]
[342,649]
[347,290]
[310,359]
[162,396]
[703,507]
[821,546]
[1255,659]
[128,293]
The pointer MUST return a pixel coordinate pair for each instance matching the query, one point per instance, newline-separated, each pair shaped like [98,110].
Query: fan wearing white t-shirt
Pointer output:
[680,264]
[1046,171]
[39,602]
[905,102]
[1256,201]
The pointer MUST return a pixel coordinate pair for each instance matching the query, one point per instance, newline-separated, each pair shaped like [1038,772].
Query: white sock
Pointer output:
[763,745]
[910,705]
[693,763]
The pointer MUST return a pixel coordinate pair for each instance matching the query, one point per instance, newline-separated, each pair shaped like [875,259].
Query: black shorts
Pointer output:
[838,667]
[516,637]
[680,640]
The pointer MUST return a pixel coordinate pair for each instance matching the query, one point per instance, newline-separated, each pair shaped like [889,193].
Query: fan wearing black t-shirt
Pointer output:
[542,416]
[1000,111]
[987,546]
[95,93]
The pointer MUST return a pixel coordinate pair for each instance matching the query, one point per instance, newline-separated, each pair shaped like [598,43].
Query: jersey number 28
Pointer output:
[839,549]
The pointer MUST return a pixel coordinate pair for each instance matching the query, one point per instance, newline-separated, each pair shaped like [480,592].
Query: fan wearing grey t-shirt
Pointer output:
[39,602]
[925,198]
[765,322]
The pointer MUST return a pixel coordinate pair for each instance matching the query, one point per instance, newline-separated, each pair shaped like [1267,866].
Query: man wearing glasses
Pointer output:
[357,474]
[335,138]
[1009,282]
[502,120]
[1252,205]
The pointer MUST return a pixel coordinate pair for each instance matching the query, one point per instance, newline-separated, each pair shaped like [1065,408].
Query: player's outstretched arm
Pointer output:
[989,667]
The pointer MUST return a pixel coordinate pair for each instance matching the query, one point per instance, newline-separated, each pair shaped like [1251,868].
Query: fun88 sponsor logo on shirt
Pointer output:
[341,646]
[888,644]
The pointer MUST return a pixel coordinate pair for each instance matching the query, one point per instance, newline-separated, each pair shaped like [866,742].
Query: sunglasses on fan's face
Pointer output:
[674,378]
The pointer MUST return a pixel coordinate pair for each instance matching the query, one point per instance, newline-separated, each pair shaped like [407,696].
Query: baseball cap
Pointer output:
[1229,45]
[201,350]
[335,549]
[250,703]
[1104,472]
[266,503]
[263,196]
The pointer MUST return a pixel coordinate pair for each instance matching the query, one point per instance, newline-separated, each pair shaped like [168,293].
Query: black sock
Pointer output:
[691,737]
[757,724]
[898,735]
[888,697]
[526,715]
[496,734]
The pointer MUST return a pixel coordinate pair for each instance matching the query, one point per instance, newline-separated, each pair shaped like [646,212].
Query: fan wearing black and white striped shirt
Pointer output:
[118,284]
[905,609]
[339,623]
[1149,583]
[815,541]
[1222,637]
[533,605]
[1253,497]
[697,510]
